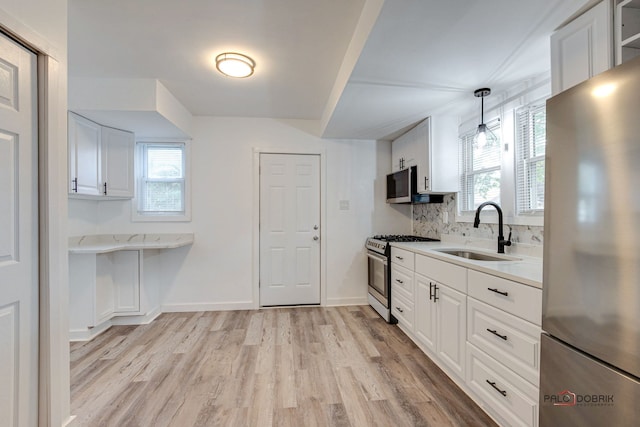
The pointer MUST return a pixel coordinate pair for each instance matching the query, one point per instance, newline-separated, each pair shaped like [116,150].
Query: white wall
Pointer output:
[43,23]
[215,273]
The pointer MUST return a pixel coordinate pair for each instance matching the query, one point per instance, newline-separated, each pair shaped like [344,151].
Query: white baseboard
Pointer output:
[89,333]
[137,320]
[332,302]
[176,308]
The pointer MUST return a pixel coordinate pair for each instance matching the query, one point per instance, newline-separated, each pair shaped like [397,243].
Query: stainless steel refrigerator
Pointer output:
[590,348]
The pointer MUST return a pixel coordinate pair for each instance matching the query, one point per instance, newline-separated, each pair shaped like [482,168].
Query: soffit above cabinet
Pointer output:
[142,106]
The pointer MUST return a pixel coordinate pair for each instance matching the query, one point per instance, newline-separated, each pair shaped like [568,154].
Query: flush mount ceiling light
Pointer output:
[484,136]
[235,64]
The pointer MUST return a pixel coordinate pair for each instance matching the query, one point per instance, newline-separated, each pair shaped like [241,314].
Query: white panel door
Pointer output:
[289,229]
[18,237]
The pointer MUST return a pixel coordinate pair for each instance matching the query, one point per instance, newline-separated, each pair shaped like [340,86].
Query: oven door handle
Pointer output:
[377,258]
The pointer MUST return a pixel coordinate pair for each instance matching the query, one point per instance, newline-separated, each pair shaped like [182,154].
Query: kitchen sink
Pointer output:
[477,256]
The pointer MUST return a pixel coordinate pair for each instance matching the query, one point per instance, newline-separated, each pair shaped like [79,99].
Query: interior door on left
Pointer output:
[18,236]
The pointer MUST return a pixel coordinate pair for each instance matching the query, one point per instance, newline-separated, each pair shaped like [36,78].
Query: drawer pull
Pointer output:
[493,384]
[400,310]
[494,332]
[506,294]
[399,257]
[399,281]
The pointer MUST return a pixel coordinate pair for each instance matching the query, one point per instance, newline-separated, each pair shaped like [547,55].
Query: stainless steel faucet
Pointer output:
[501,242]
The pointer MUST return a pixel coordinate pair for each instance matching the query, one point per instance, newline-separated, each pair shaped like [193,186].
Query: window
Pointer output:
[162,185]
[480,170]
[531,140]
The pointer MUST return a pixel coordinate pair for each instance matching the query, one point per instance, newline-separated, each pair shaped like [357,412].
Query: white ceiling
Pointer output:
[420,56]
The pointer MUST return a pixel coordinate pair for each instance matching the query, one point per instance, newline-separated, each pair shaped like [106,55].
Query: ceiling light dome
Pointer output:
[235,64]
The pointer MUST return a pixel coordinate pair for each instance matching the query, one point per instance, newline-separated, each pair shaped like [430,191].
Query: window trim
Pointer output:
[140,171]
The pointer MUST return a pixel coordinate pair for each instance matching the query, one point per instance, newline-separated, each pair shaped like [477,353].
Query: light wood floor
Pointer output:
[310,366]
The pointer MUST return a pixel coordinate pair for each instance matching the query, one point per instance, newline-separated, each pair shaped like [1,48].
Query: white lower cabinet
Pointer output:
[441,314]
[426,313]
[508,397]
[103,286]
[452,322]
[507,338]
[403,310]
[482,330]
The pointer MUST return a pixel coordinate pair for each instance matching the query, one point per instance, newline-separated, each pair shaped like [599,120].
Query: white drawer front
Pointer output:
[509,339]
[448,274]
[402,257]
[516,298]
[402,280]
[402,309]
[507,396]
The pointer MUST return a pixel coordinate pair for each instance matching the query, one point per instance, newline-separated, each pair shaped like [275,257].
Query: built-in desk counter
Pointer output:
[113,279]
[104,243]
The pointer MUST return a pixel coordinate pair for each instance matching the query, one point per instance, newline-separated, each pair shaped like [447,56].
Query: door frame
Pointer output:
[256,218]
[53,299]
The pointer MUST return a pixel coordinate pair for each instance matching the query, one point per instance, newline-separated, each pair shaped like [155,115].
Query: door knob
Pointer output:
[315,227]
[315,238]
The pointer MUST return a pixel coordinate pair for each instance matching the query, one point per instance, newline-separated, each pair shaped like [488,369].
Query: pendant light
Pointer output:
[484,135]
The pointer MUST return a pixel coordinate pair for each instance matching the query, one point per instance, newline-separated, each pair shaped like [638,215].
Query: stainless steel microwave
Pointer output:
[401,185]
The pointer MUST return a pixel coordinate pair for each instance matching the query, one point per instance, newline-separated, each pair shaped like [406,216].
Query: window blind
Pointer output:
[531,141]
[480,170]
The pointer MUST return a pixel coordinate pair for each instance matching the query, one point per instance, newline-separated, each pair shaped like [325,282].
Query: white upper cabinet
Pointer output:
[117,162]
[627,26]
[402,155]
[432,146]
[84,156]
[100,160]
[582,48]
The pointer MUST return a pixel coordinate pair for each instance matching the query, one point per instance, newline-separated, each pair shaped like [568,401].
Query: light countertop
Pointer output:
[526,269]
[103,243]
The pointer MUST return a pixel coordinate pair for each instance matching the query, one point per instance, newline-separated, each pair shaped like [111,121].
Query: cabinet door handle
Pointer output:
[493,384]
[426,186]
[399,257]
[430,291]
[400,310]
[494,332]
[399,281]
[74,188]
[435,293]
[105,188]
[506,294]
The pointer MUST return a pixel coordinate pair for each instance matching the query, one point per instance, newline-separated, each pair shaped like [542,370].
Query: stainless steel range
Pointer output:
[379,257]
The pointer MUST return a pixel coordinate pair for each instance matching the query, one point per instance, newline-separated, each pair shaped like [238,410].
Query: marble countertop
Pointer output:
[103,243]
[526,269]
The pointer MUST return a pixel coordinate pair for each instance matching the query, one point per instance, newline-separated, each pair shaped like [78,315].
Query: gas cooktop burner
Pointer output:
[402,238]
